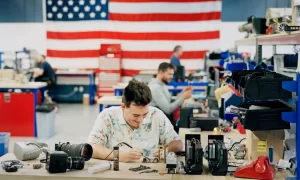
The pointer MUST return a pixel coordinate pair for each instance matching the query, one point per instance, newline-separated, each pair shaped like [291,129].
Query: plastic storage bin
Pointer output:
[238,75]
[264,119]
[45,122]
[4,143]
[264,86]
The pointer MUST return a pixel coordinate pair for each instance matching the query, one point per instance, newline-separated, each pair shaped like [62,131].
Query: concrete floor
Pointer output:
[73,124]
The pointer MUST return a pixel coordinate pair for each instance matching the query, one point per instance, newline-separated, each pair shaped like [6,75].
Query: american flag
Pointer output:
[147,30]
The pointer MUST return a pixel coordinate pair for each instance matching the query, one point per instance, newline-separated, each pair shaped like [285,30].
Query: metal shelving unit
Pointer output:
[292,38]
[1,59]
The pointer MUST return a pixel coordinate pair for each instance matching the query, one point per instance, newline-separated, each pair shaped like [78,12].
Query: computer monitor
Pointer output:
[179,75]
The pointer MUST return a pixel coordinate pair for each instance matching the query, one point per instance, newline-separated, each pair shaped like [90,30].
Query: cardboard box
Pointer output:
[258,143]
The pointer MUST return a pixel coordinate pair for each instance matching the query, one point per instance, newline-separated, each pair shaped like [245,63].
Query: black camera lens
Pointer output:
[75,163]
[76,150]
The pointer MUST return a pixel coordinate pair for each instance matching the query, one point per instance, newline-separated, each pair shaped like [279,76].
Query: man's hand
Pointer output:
[187,93]
[130,155]
[155,153]
[187,88]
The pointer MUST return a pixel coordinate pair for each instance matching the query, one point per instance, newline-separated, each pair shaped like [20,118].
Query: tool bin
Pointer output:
[4,143]
[264,86]
[264,119]
[237,76]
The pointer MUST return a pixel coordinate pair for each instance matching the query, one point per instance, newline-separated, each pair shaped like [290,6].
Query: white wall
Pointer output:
[15,36]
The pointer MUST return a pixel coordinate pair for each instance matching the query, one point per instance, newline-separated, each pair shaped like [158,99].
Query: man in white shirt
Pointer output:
[136,123]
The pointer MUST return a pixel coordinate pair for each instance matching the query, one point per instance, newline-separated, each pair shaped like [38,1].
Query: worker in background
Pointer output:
[161,96]
[177,52]
[44,73]
[136,123]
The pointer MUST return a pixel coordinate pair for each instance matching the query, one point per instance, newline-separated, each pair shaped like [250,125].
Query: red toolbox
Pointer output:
[17,113]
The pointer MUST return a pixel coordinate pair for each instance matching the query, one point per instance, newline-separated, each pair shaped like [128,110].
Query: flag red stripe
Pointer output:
[125,54]
[134,36]
[167,1]
[166,17]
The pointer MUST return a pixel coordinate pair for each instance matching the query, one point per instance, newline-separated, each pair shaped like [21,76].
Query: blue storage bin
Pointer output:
[4,143]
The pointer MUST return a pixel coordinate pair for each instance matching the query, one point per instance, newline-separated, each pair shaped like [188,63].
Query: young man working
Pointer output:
[161,96]
[136,123]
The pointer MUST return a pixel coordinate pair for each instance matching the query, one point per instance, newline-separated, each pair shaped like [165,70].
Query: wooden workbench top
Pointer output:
[77,72]
[110,100]
[28,173]
[30,85]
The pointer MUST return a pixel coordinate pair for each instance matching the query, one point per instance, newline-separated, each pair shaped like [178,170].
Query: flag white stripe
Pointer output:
[153,64]
[177,8]
[94,44]
[135,64]
[134,27]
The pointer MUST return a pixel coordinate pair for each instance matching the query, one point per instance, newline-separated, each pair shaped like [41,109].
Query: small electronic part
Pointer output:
[149,171]
[165,151]
[12,165]
[100,167]
[240,152]
[180,167]
[291,28]
[140,168]
[116,158]
[149,159]
[171,163]
[37,166]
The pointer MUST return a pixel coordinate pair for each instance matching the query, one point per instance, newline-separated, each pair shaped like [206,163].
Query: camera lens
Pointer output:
[75,163]
[76,150]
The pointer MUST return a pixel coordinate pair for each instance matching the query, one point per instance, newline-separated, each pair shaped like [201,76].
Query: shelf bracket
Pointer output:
[290,86]
[290,117]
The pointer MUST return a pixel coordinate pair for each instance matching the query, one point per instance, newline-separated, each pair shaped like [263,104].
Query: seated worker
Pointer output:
[161,96]
[45,72]
[136,123]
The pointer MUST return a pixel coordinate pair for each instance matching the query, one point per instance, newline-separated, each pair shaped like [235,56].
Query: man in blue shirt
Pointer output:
[45,73]
[177,52]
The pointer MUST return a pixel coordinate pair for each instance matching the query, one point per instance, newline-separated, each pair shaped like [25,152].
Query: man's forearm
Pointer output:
[100,152]
[175,146]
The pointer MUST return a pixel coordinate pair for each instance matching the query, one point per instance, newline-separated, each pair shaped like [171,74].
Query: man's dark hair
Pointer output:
[165,66]
[138,93]
[177,48]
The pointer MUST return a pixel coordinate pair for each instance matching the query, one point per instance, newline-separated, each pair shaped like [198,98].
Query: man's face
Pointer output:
[134,114]
[179,52]
[168,75]
[40,59]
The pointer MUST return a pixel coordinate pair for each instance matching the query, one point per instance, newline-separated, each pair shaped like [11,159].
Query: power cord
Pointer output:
[120,144]
[238,142]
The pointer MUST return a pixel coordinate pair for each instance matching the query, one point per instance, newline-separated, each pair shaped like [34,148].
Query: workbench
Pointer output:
[173,87]
[109,101]
[33,87]
[28,173]
[80,73]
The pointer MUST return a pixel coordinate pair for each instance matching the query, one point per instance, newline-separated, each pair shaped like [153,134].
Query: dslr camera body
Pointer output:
[59,162]
[68,156]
